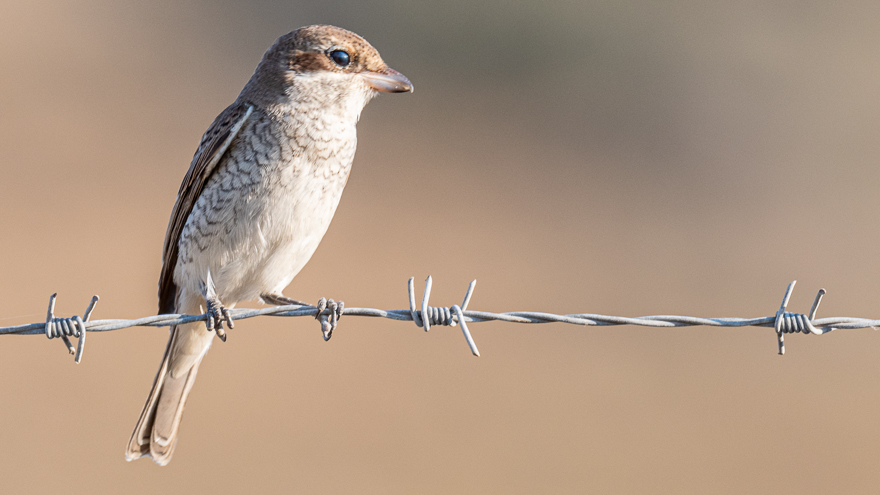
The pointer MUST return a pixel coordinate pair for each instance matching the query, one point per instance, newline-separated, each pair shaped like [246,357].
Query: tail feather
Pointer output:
[139,445]
[156,431]
[168,414]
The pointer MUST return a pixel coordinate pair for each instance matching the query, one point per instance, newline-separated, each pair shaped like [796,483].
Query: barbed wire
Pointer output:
[425,316]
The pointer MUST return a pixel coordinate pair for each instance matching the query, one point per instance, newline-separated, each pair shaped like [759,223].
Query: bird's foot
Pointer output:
[217,314]
[329,321]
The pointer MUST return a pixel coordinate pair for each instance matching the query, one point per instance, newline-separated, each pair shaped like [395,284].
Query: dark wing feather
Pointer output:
[214,144]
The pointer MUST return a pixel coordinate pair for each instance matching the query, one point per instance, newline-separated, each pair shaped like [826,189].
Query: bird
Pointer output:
[258,197]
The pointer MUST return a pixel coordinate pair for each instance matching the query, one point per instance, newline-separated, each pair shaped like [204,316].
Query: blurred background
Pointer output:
[614,157]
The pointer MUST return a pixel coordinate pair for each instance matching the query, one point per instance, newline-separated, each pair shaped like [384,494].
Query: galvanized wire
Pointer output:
[424,316]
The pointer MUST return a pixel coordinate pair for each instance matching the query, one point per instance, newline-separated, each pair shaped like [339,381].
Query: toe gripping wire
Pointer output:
[795,322]
[450,316]
[64,328]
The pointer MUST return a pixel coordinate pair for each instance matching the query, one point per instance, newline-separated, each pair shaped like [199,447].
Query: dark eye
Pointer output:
[340,57]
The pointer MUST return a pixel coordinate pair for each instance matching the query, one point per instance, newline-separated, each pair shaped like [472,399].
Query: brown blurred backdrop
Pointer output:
[625,157]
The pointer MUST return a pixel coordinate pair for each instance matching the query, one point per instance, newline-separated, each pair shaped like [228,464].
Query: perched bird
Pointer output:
[257,199]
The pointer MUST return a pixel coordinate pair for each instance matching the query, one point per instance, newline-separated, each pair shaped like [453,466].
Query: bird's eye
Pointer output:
[341,58]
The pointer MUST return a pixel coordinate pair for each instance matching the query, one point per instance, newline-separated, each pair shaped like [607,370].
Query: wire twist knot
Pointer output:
[438,316]
[64,328]
[446,316]
[795,322]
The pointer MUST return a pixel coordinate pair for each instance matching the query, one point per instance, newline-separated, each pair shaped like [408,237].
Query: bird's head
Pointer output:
[326,65]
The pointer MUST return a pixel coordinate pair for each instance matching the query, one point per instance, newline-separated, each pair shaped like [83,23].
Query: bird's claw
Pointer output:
[217,314]
[329,321]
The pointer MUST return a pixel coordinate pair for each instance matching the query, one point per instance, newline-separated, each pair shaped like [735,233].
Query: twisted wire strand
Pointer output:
[456,315]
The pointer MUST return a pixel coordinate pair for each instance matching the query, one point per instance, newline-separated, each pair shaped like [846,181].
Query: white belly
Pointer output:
[260,218]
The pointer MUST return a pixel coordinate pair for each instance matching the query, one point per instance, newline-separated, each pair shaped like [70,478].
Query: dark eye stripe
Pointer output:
[341,58]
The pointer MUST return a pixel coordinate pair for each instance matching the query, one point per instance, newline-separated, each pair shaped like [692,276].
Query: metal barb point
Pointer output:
[81,343]
[816,302]
[779,316]
[426,321]
[464,329]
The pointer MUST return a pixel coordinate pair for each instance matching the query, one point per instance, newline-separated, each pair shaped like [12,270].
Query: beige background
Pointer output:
[612,157]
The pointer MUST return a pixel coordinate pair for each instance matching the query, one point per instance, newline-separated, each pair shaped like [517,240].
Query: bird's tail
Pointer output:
[156,431]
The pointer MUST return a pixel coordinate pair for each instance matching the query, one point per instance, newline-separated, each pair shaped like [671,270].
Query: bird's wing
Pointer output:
[214,144]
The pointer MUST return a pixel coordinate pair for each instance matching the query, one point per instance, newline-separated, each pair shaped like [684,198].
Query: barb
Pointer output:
[442,316]
[782,322]
[69,327]
[792,322]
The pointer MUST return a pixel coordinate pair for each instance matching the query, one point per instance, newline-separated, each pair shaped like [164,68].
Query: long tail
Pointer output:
[156,431]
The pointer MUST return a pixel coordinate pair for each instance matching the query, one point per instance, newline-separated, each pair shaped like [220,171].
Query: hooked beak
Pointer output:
[388,81]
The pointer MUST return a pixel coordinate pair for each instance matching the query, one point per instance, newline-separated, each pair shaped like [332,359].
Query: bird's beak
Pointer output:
[387,81]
